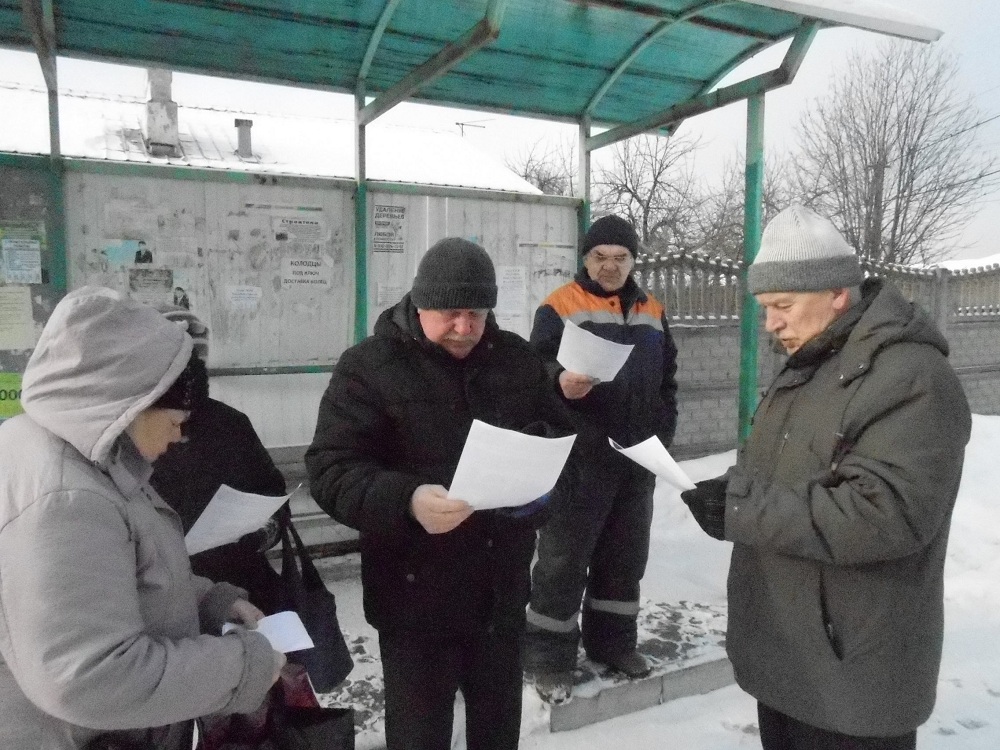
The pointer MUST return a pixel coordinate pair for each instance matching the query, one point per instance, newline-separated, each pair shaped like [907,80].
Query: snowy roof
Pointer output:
[861,14]
[111,128]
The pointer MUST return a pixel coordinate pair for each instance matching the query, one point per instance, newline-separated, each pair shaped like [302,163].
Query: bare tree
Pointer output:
[720,217]
[550,168]
[650,180]
[891,155]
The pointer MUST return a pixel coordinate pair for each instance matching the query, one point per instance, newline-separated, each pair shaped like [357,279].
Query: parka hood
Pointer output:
[889,319]
[881,318]
[100,361]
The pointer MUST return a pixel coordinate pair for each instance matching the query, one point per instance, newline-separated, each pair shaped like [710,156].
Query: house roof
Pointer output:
[612,61]
[105,127]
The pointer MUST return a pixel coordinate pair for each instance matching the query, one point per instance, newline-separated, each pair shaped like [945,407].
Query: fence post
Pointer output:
[942,310]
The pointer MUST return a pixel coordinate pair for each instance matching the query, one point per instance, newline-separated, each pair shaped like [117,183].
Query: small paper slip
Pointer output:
[284,630]
[230,515]
[651,455]
[583,352]
[503,468]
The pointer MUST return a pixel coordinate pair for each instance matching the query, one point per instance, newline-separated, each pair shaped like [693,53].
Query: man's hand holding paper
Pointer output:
[436,511]
[503,468]
[583,353]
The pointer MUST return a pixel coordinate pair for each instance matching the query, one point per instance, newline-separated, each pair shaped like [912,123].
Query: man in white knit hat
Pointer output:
[840,502]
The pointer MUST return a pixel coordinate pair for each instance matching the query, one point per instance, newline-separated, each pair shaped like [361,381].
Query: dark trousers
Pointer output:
[596,540]
[421,681]
[781,732]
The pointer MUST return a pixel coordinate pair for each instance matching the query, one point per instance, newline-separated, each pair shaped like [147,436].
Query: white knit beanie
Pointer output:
[800,251]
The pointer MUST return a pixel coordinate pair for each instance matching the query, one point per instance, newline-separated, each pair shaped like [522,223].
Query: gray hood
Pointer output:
[100,361]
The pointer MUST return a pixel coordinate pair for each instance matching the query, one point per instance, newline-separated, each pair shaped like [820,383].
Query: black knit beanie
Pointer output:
[611,230]
[190,390]
[455,274]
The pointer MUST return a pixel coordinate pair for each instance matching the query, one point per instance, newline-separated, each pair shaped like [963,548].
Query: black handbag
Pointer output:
[289,719]
[303,591]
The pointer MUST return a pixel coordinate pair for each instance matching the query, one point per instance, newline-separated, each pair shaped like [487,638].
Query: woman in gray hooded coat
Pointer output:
[101,620]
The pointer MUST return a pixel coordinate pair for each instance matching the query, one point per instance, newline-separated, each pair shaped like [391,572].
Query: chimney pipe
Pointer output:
[162,136]
[243,148]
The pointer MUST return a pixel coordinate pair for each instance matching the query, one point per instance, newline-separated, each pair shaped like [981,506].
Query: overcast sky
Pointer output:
[971,30]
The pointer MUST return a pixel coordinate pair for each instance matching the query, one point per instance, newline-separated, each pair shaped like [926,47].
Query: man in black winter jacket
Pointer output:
[445,587]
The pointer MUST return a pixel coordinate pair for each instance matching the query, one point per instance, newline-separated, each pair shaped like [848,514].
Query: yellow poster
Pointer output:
[10,394]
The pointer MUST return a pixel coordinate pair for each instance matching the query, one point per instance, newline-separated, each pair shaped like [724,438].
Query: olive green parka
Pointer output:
[839,507]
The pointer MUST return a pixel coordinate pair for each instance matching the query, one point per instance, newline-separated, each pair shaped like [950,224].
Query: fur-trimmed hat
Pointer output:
[611,230]
[455,274]
[800,251]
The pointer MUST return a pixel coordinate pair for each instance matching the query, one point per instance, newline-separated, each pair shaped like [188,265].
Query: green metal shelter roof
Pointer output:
[612,61]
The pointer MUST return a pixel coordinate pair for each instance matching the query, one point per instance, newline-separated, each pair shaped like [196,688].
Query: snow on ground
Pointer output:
[685,564]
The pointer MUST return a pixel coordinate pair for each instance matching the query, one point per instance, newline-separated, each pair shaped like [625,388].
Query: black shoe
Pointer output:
[632,664]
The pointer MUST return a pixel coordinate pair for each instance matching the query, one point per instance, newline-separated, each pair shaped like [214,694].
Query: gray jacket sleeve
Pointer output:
[78,641]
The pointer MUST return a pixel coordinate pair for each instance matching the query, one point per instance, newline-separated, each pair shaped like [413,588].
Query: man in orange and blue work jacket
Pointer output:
[598,537]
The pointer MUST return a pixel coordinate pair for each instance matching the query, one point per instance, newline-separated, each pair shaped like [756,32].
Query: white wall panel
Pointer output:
[499,226]
[225,244]
[217,238]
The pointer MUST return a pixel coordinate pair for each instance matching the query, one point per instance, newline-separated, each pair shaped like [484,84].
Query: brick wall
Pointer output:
[708,365]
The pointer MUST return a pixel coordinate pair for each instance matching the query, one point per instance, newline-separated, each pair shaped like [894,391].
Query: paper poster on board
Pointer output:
[154,286]
[17,326]
[22,260]
[245,298]
[298,229]
[388,294]
[389,229]
[311,274]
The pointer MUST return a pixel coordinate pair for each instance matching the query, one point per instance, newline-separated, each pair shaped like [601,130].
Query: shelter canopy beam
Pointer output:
[39,17]
[376,38]
[653,11]
[656,32]
[706,102]
[480,35]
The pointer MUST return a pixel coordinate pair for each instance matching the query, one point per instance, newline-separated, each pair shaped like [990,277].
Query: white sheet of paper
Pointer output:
[583,352]
[284,630]
[229,515]
[651,455]
[502,468]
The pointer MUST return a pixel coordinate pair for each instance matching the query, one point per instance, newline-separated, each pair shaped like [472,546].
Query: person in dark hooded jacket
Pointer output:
[840,502]
[445,587]
[220,446]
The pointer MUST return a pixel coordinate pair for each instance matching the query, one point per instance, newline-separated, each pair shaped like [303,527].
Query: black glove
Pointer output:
[707,502]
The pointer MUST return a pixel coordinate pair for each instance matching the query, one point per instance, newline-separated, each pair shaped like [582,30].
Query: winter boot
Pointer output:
[553,687]
[632,664]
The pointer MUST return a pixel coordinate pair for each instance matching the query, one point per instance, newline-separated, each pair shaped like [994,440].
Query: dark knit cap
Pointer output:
[611,230]
[455,274]
[189,391]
